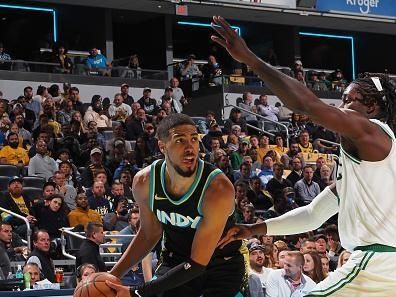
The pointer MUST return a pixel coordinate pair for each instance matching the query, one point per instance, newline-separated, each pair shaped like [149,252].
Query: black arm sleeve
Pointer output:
[175,277]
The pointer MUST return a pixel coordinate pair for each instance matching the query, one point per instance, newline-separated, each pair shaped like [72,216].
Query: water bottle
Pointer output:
[26,280]
[19,272]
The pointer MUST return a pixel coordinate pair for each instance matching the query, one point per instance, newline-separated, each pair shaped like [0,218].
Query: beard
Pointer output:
[183,172]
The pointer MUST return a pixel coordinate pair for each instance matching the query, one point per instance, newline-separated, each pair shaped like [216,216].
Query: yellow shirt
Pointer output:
[79,216]
[308,149]
[21,204]
[13,156]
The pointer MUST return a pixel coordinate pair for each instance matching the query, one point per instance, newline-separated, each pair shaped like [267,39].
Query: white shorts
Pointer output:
[367,273]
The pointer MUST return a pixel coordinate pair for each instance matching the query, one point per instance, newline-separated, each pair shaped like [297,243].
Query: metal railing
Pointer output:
[261,117]
[28,229]
[328,141]
[68,231]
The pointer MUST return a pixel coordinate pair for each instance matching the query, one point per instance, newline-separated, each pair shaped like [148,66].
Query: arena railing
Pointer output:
[82,69]
[28,229]
[78,235]
[263,120]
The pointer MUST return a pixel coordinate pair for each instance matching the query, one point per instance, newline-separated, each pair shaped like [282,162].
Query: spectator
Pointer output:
[119,111]
[13,154]
[247,104]
[343,258]
[118,219]
[263,148]
[31,104]
[82,215]
[260,198]
[297,172]
[235,118]
[74,96]
[325,134]
[277,183]
[189,69]
[268,111]
[334,245]
[98,62]
[306,189]
[41,164]
[323,79]
[298,66]
[51,217]
[128,99]
[72,176]
[133,68]
[177,94]
[313,266]
[289,281]
[245,170]
[19,120]
[89,249]
[68,192]
[307,245]
[300,77]
[5,241]
[212,73]
[97,201]
[176,106]
[266,172]
[279,148]
[95,164]
[132,228]
[95,113]
[84,271]
[147,103]
[284,113]
[29,117]
[315,83]
[257,262]
[59,55]
[236,157]
[321,244]
[40,254]
[64,116]
[304,144]
[135,127]
[34,270]
[325,265]
[338,81]
[14,201]
[5,58]
[248,214]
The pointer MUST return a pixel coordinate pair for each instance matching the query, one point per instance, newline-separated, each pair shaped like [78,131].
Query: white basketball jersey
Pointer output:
[367,198]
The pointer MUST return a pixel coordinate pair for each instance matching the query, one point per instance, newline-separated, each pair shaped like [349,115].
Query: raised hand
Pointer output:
[237,232]
[230,40]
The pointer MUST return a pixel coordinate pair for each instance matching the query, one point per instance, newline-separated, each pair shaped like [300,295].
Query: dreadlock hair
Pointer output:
[386,98]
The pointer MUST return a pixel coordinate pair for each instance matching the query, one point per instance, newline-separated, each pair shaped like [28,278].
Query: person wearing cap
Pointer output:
[176,106]
[237,157]
[118,110]
[13,154]
[321,244]
[95,164]
[16,202]
[298,66]
[257,262]
[315,83]
[128,99]
[189,69]
[235,118]
[41,164]
[147,103]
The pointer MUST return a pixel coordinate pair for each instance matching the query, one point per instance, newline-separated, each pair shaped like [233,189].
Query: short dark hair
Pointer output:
[171,121]
[11,134]
[74,89]
[4,223]
[27,88]
[36,234]
[92,227]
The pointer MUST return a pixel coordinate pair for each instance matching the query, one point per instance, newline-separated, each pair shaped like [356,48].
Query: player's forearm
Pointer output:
[140,246]
[291,92]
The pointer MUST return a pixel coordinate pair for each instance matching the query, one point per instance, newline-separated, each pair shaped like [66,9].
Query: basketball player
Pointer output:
[191,203]
[364,194]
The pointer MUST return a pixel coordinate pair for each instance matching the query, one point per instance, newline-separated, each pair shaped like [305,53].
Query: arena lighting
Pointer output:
[337,37]
[236,28]
[50,10]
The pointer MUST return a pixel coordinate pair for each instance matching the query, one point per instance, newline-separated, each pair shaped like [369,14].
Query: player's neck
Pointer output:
[176,184]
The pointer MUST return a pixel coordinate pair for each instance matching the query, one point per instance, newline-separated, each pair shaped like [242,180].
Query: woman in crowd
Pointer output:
[85,270]
[325,265]
[343,258]
[313,266]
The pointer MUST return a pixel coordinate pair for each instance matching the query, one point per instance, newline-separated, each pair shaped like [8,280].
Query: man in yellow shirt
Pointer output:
[305,145]
[82,215]
[12,154]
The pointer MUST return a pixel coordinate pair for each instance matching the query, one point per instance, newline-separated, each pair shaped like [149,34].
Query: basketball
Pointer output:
[95,286]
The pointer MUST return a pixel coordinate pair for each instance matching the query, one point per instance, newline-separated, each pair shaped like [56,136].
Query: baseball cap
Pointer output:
[96,150]
[244,141]
[146,89]
[15,178]
[320,236]
[124,85]
[118,142]
[253,246]
[298,62]
[235,127]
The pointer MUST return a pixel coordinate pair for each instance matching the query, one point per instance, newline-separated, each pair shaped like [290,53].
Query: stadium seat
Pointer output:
[8,170]
[32,193]
[33,181]
[4,183]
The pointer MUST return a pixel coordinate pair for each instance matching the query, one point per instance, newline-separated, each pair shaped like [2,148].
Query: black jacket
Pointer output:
[89,253]
[8,203]
[47,265]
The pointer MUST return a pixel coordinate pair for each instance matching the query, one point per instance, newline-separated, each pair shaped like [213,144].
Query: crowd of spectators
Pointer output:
[87,156]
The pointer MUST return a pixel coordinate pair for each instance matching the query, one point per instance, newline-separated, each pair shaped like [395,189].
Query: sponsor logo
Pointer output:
[364,5]
[156,197]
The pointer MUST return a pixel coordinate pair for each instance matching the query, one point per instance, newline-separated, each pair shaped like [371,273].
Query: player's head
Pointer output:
[179,142]
[373,95]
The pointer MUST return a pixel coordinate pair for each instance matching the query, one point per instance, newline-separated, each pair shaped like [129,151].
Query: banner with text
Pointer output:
[385,8]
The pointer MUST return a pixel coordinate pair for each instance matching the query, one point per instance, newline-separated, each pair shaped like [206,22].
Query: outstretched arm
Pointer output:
[299,98]
[299,220]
